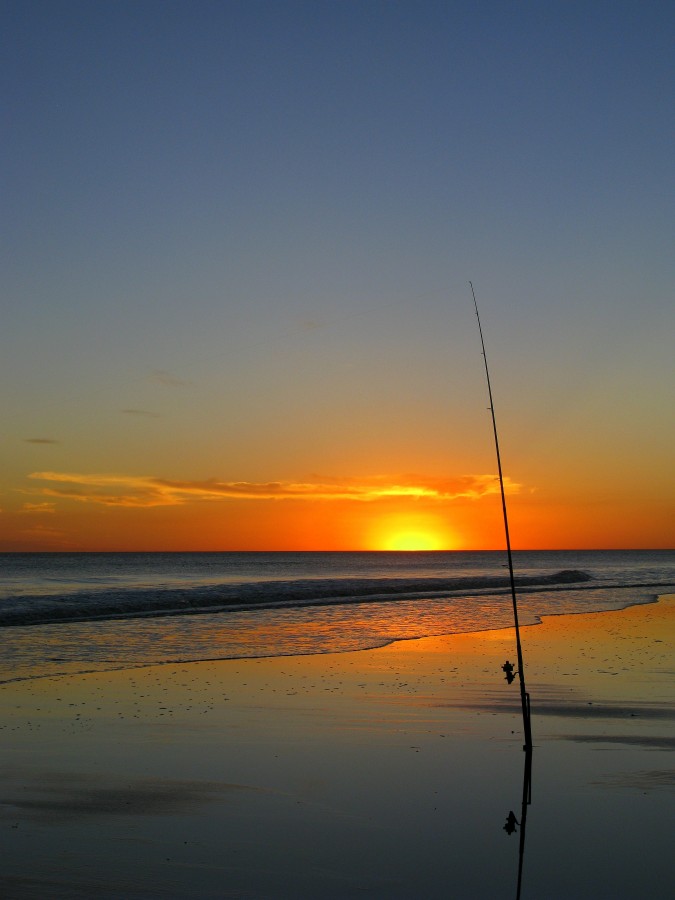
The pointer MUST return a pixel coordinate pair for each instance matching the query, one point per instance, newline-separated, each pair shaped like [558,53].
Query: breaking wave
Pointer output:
[108,603]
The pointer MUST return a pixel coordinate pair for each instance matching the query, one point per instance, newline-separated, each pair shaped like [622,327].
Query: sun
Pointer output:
[412,540]
[410,532]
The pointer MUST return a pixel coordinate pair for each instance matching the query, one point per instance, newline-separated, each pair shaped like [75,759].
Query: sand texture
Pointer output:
[386,773]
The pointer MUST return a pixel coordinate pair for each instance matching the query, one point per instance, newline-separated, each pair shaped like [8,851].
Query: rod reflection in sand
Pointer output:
[513,825]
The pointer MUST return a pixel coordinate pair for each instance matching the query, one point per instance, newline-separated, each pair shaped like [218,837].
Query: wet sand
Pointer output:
[387,773]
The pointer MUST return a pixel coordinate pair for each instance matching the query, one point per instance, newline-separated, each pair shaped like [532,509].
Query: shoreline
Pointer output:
[387,772]
[539,619]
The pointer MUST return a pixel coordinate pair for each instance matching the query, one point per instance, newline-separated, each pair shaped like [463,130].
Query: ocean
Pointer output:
[63,613]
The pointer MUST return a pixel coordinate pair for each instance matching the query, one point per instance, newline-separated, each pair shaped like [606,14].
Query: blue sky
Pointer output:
[251,226]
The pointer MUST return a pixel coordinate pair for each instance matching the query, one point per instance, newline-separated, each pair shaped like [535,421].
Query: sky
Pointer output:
[237,245]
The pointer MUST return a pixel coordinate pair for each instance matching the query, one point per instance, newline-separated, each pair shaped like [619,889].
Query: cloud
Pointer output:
[160,376]
[44,532]
[148,491]
[109,490]
[38,507]
[141,412]
[38,440]
[308,325]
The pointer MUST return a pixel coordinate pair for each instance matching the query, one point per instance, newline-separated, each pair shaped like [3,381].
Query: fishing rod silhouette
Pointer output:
[508,667]
[512,824]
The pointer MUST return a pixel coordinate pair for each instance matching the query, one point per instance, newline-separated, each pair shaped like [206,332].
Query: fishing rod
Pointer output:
[508,668]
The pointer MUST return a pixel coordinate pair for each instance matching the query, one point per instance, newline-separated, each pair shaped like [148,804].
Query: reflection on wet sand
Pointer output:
[389,772]
[513,825]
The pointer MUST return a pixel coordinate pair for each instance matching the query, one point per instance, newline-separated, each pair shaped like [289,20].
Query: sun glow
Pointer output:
[413,540]
[409,532]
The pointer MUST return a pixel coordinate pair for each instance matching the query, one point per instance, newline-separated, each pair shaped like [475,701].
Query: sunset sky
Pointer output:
[238,240]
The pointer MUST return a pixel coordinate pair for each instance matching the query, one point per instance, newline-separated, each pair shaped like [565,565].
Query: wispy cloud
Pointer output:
[38,507]
[45,533]
[168,379]
[147,491]
[141,412]
[40,440]
[308,325]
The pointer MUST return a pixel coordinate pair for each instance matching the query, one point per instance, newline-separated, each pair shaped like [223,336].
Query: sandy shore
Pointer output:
[386,773]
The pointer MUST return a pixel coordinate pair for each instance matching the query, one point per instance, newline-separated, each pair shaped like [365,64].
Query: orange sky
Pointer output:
[318,524]
[100,479]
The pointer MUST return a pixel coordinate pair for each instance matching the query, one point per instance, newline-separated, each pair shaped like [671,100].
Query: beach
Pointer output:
[378,773]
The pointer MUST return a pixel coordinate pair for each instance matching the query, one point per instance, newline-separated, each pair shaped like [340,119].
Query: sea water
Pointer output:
[62,613]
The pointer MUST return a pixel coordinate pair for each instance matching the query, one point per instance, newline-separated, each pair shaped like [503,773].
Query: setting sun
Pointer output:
[416,532]
[413,540]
